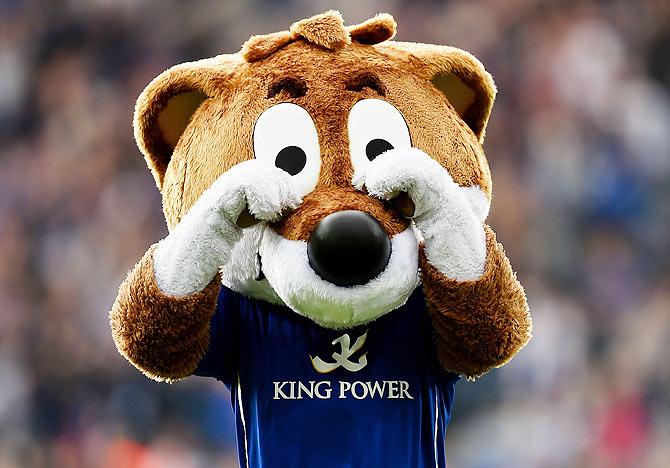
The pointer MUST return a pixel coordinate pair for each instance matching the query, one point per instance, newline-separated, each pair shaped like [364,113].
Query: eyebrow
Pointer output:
[294,87]
[366,80]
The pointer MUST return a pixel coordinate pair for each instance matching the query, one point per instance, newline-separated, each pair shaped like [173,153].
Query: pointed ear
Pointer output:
[458,75]
[165,107]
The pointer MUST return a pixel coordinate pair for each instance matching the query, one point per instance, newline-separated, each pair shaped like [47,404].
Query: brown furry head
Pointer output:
[196,120]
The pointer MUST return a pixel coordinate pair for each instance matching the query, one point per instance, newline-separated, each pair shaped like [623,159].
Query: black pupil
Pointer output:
[376,147]
[291,159]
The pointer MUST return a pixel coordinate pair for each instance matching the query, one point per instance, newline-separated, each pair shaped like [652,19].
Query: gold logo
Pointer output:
[342,358]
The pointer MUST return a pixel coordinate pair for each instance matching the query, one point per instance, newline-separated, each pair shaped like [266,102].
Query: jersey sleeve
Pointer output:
[222,356]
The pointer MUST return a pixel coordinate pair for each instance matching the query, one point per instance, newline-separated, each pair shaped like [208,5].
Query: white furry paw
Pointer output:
[453,232]
[407,170]
[190,256]
[262,188]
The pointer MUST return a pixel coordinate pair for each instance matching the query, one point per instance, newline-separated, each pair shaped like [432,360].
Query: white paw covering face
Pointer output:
[450,218]
[286,265]
[189,257]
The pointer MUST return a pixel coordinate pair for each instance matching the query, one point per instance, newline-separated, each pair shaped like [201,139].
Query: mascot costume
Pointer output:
[328,260]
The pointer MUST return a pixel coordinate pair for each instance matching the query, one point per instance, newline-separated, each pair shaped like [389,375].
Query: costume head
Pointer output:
[320,101]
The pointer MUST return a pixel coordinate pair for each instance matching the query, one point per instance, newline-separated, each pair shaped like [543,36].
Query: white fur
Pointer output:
[243,268]
[479,203]
[286,266]
[189,257]
[449,217]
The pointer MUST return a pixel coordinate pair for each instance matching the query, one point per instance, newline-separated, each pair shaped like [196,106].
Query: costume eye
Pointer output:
[292,159]
[376,147]
[285,135]
[375,126]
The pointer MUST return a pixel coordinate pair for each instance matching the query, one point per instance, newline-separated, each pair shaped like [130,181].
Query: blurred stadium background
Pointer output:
[579,145]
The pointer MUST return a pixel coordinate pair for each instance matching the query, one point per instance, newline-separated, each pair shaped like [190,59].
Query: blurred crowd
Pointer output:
[579,146]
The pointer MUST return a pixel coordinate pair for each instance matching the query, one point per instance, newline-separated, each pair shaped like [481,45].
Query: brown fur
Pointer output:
[299,224]
[163,336]
[465,75]
[325,30]
[293,87]
[378,29]
[368,79]
[206,78]
[445,96]
[479,324]
[260,47]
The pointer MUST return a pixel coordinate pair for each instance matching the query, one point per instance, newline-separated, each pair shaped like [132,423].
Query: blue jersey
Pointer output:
[308,396]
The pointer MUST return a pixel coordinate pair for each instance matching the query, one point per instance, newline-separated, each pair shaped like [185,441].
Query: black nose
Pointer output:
[348,248]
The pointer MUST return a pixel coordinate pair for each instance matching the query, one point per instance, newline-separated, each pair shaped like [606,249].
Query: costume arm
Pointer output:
[161,318]
[478,307]
[479,324]
[164,336]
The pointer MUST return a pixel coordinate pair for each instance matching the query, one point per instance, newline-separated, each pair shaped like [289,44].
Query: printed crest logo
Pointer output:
[342,358]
